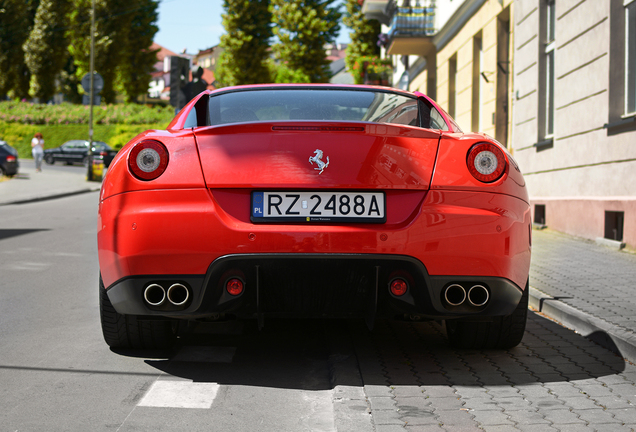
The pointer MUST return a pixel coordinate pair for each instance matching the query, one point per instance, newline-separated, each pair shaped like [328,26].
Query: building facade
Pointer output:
[459,52]
[574,112]
[553,80]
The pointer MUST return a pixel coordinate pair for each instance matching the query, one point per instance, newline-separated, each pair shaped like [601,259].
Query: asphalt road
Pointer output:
[57,374]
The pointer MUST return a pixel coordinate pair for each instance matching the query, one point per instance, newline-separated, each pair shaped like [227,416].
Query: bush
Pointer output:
[20,135]
[66,113]
[113,124]
[370,66]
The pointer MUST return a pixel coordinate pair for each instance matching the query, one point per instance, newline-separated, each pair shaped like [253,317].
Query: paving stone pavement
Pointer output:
[588,287]
[555,380]
[597,280]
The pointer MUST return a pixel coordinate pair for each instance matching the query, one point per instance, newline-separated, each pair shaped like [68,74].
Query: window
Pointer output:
[539,214]
[452,80]
[477,87]
[614,225]
[549,67]
[304,104]
[630,56]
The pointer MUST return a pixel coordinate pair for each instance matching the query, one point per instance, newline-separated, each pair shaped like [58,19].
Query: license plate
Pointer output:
[303,206]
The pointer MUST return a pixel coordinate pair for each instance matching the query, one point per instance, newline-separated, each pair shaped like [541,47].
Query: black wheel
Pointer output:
[503,332]
[128,331]
[49,159]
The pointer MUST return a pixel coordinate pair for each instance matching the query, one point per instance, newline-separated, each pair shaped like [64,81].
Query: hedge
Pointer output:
[114,124]
[19,136]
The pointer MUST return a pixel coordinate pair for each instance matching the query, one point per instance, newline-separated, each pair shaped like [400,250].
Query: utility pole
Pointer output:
[92,95]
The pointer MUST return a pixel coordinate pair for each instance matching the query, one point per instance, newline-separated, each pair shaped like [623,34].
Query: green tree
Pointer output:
[16,21]
[248,26]
[137,59]
[113,21]
[364,36]
[45,50]
[303,28]
[69,82]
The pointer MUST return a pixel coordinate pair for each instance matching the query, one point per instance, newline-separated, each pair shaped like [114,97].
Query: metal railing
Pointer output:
[416,20]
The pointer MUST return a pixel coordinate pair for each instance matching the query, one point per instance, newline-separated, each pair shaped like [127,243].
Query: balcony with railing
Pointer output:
[412,29]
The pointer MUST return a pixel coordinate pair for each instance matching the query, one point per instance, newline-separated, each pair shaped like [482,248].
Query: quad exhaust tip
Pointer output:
[477,295]
[455,294]
[178,294]
[156,295]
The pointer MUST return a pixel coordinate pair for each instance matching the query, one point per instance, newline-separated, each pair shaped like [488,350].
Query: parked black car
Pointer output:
[76,151]
[8,160]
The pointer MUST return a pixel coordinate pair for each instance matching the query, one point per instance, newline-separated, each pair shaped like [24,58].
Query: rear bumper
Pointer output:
[448,237]
[11,168]
[314,286]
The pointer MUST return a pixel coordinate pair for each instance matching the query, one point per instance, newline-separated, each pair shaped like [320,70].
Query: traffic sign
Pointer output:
[98,83]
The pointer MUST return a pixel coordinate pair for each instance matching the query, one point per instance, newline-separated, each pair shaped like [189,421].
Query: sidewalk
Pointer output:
[587,287]
[52,182]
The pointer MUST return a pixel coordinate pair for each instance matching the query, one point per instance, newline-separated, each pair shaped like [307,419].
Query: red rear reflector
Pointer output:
[399,287]
[234,286]
[320,128]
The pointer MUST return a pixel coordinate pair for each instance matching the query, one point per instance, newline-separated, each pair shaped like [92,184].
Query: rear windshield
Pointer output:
[298,104]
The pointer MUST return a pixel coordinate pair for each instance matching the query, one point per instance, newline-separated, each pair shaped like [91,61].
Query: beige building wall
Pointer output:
[587,167]
[474,49]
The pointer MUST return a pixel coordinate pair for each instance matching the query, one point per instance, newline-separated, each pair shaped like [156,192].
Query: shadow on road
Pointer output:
[8,233]
[303,354]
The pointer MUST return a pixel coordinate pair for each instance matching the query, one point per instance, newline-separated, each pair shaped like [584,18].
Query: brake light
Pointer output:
[148,159]
[11,158]
[103,153]
[486,162]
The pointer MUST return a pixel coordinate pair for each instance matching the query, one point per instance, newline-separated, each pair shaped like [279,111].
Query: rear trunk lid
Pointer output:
[315,155]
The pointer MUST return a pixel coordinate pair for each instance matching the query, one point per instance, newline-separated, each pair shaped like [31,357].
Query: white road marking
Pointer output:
[205,354]
[180,394]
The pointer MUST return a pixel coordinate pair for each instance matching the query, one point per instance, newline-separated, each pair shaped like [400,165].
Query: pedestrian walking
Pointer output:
[37,150]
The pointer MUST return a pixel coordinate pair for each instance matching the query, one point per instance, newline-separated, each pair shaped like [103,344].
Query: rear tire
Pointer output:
[128,331]
[49,159]
[503,332]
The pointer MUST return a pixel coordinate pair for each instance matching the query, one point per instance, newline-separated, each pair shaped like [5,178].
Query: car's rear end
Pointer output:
[9,163]
[313,202]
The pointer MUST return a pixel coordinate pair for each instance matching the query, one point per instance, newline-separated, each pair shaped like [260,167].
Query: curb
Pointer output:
[606,334]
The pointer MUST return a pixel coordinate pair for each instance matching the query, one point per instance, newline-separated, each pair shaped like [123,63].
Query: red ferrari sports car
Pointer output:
[313,201]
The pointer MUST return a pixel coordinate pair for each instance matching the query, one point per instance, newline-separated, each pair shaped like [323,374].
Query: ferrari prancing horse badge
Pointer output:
[318,159]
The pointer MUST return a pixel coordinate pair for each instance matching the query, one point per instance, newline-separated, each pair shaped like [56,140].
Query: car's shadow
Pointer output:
[319,355]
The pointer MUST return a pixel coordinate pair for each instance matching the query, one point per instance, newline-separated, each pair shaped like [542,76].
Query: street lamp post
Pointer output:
[92,95]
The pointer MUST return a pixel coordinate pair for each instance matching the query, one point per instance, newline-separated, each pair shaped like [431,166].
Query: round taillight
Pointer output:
[486,162]
[398,287]
[234,286]
[148,159]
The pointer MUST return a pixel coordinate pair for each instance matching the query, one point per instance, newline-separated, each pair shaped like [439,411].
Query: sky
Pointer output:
[196,25]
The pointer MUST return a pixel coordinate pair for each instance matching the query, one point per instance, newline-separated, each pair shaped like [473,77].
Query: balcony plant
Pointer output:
[372,70]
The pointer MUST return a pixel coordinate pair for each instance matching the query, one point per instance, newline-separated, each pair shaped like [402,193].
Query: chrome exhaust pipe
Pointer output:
[455,294]
[154,294]
[478,295]
[178,294]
